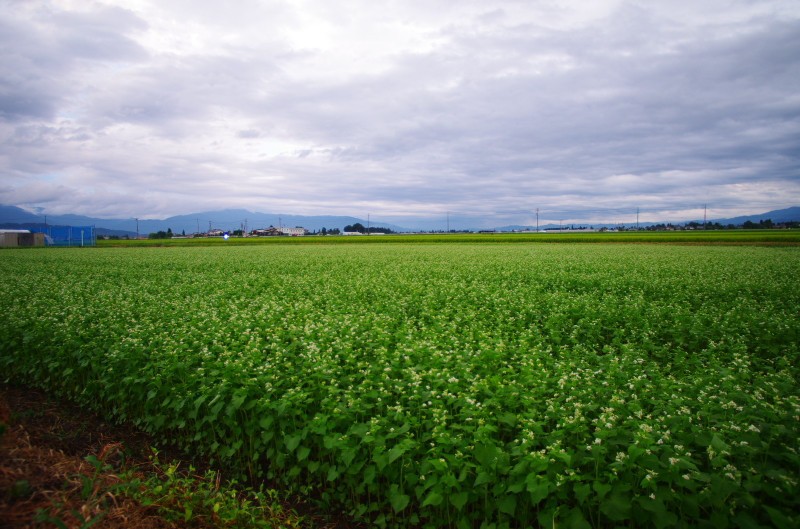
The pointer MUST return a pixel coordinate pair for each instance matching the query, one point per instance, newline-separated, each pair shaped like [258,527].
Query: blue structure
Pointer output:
[68,235]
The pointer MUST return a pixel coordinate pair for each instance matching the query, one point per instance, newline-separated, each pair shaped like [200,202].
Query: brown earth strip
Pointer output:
[46,479]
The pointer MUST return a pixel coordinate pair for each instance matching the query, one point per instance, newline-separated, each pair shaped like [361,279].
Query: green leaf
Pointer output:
[235,404]
[459,499]
[214,411]
[482,478]
[635,452]
[517,487]
[333,473]
[369,474]
[576,520]
[485,454]
[547,518]
[538,487]
[745,521]
[718,444]
[434,498]
[616,507]
[292,441]
[778,518]
[582,491]
[601,489]
[661,517]
[396,452]
[380,460]
[507,505]
[398,500]
[348,456]
[303,452]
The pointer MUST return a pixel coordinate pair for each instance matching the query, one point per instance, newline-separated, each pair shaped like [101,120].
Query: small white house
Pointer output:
[293,232]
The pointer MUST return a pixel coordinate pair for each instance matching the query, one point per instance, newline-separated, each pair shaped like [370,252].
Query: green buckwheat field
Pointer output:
[459,385]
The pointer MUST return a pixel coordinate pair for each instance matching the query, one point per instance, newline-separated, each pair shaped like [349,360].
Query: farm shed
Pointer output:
[20,238]
[68,235]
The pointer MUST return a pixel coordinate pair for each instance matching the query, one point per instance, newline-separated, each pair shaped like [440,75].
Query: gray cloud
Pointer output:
[420,109]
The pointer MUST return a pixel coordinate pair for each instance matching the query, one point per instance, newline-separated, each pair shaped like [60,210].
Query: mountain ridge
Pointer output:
[235,218]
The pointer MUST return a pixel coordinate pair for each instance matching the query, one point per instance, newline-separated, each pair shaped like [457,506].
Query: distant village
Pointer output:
[272,231]
[359,229]
[44,235]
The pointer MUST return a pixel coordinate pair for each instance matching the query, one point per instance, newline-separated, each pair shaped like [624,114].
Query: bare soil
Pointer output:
[42,462]
[44,471]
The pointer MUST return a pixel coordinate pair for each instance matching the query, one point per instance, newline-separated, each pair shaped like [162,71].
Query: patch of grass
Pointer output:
[204,499]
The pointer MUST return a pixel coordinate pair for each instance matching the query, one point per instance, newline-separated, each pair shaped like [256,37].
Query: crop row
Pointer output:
[442,385]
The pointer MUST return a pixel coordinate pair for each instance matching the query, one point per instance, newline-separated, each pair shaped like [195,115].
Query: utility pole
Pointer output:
[637,219]
[137,228]
[448,222]
[198,226]
[704,215]
[537,220]
[367,223]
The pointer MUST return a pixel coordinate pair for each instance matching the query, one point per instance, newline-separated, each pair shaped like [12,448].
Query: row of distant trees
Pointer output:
[359,228]
[161,234]
[747,225]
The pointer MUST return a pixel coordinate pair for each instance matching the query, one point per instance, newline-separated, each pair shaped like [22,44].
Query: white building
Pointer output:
[294,232]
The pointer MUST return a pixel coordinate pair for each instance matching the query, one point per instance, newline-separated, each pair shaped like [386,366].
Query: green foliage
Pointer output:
[452,385]
[187,496]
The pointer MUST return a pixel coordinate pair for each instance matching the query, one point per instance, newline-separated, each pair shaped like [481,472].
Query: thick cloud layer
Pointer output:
[154,108]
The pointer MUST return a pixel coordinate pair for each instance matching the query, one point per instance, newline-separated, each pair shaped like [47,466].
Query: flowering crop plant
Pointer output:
[441,385]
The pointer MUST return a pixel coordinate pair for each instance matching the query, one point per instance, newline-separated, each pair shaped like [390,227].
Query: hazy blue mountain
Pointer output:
[232,219]
[778,215]
[228,219]
[13,214]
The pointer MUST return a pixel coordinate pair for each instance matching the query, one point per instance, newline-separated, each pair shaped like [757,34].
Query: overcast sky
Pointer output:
[586,110]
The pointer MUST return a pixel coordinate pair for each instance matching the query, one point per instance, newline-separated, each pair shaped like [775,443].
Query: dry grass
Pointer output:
[39,482]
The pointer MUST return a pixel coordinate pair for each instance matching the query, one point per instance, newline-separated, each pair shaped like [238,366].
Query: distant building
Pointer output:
[20,239]
[266,232]
[294,232]
[277,232]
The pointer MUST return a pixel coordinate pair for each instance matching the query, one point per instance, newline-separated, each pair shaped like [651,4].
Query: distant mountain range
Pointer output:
[779,215]
[791,214]
[228,219]
[233,219]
